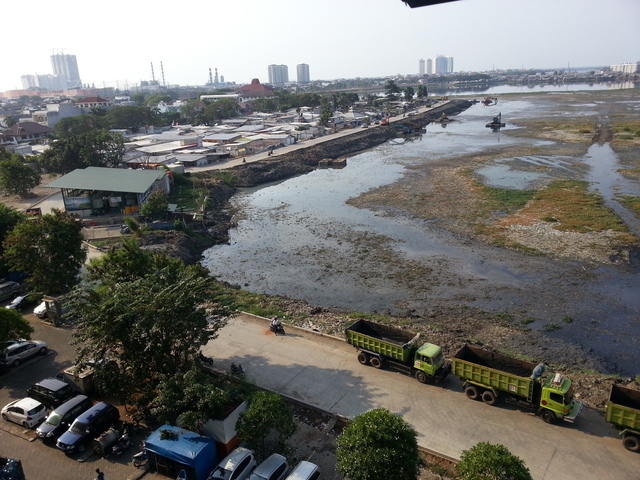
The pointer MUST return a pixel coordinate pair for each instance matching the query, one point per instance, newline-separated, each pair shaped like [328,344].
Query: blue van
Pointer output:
[87,427]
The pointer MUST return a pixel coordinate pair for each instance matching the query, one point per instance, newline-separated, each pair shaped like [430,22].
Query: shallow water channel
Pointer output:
[299,238]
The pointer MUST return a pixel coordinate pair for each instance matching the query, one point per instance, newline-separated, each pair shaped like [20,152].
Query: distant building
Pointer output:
[430,69]
[421,67]
[24,132]
[444,65]
[54,112]
[625,68]
[278,74]
[254,90]
[45,82]
[303,73]
[67,67]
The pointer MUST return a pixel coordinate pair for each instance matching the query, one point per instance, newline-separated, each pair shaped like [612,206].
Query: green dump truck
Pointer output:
[623,412]
[382,345]
[489,375]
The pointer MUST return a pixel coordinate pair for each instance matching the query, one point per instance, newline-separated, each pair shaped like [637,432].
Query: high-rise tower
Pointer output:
[421,67]
[303,73]
[278,74]
[67,67]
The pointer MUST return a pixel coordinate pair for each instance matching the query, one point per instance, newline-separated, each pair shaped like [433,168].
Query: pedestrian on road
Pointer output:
[100,475]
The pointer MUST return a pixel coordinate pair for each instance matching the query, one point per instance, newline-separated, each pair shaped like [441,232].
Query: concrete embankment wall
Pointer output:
[306,160]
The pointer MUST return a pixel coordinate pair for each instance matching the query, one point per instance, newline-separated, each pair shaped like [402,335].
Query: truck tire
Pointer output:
[548,417]
[421,376]
[363,358]
[631,443]
[489,397]
[376,362]
[472,392]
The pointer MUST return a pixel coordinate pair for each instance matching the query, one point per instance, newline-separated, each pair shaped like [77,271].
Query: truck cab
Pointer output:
[430,360]
[557,396]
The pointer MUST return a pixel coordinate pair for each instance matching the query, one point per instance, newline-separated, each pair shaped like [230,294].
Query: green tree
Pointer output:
[267,423]
[392,90]
[131,117]
[72,126]
[95,148]
[151,325]
[13,325]
[409,93]
[378,444]
[49,250]
[485,461]
[17,178]
[10,120]
[125,264]
[156,204]
[422,91]
[325,116]
[196,396]
[9,218]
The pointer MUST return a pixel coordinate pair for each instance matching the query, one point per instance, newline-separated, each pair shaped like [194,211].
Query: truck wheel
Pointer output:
[472,392]
[375,362]
[631,443]
[363,358]
[489,397]
[548,417]
[421,376]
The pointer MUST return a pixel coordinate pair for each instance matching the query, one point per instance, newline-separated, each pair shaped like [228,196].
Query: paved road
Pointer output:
[324,372]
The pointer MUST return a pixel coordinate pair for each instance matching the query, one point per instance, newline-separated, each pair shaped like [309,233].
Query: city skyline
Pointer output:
[481,35]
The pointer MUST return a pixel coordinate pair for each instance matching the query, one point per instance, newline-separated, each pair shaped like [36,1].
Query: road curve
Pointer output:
[323,371]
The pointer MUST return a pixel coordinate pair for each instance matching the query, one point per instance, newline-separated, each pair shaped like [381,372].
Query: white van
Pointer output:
[304,471]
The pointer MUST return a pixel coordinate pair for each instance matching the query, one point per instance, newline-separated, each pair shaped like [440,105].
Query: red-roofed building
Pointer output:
[91,102]
[254,90]
[24,132]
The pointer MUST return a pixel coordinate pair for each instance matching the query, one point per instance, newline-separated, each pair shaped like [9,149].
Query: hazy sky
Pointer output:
[115,42]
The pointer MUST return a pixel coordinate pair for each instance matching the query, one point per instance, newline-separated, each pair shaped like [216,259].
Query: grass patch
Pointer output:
[550,327]
[567,319]
[575,208]
[527,321]
[506,199]
[632,202]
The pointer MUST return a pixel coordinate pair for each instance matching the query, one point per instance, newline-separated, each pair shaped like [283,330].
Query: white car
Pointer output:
[26,412]
[41,310]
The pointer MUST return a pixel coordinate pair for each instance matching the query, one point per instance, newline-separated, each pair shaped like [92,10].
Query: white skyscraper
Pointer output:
[303,73]
[278,74]
[421,67]
[66,66]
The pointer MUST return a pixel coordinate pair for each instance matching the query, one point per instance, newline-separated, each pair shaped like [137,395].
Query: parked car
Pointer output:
[59,420]
[26,412]
[304,471]
[51,392]
[18,303]
[18,352]
[275,467]
[88,426]
[9,290]
[238,465]
[41,310]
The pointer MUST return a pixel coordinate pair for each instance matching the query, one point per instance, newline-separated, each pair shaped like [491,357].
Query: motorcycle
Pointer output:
[237,370]
[204,359]
[277,329]
[122,444]
[140,458]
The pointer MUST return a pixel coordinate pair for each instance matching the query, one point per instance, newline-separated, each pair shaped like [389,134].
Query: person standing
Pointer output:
[99,474]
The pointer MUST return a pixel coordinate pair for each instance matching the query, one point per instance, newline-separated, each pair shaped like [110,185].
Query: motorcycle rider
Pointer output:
[275,323]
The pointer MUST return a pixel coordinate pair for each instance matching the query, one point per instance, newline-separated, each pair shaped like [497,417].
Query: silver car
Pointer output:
[26,412]
[238,465]
[18,352]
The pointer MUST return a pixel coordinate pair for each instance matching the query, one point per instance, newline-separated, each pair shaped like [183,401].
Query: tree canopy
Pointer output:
[485,461]
[9,218]
[13,325]
[378,444]
[267,423]
[49,250]
[95,148]
[196,396]
[149,313]
[156,204]
[17,178]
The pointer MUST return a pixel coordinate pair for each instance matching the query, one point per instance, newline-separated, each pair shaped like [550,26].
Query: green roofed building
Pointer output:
[97,190]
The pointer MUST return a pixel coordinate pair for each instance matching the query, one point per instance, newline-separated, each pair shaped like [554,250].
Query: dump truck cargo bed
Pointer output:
[492,369]
[623,408]
[388,341]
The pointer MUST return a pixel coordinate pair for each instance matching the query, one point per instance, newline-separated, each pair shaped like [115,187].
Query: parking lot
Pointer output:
[42,461]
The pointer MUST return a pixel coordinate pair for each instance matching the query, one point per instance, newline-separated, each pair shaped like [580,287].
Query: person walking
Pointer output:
[99,474]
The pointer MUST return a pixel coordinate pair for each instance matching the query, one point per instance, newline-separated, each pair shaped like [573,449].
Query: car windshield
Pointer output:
[54,419]
[79,428]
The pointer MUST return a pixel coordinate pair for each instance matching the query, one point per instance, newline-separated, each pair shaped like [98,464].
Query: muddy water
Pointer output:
[299,238]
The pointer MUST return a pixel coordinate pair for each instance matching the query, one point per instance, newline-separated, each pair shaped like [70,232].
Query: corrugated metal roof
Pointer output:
[109,179]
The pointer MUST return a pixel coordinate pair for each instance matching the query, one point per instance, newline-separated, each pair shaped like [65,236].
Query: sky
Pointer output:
[116,42]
